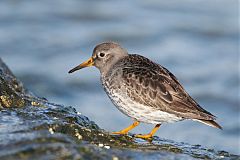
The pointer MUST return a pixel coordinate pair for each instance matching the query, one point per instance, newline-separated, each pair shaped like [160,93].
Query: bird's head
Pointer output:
[104,56]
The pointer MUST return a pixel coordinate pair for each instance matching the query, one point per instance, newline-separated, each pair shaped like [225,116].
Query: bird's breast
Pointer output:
[117,92]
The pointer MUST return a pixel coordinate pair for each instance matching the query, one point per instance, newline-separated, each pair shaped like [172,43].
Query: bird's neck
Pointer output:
[108,68]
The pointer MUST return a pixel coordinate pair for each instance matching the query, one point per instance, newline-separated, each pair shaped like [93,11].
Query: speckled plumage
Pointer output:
[137,82]
[143,90]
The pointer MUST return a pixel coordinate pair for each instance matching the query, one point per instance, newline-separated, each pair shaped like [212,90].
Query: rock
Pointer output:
[33,128]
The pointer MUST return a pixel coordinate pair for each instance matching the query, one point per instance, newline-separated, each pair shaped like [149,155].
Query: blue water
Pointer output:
[196,40]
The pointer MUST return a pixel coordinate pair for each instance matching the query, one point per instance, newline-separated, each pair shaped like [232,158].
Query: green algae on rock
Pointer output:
[11,90]
[33,128]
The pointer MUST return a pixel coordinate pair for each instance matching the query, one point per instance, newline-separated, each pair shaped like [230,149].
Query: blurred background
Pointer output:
[198,41]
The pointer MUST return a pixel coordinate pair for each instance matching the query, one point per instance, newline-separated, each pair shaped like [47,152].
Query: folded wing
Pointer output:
[153,85]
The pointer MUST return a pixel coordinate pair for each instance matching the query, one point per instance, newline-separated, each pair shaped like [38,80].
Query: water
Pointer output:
[196,40]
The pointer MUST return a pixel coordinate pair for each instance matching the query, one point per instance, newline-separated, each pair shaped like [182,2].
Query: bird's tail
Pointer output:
[211,123]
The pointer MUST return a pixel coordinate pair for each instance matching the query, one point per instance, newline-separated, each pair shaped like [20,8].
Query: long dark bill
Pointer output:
[87,63]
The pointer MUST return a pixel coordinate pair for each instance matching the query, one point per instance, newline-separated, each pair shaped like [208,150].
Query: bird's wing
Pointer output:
[153,85]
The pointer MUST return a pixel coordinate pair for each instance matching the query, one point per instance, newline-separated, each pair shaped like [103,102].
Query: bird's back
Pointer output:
[159,88]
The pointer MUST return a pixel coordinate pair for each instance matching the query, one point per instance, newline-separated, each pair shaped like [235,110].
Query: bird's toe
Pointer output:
[120,132]
[144,136]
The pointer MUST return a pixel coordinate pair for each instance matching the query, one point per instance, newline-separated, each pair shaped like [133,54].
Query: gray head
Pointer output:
[104,56]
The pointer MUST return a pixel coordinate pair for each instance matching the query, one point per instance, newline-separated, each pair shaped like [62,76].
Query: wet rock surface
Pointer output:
[33,128]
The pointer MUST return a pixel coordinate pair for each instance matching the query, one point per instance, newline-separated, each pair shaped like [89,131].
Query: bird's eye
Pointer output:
[101,54]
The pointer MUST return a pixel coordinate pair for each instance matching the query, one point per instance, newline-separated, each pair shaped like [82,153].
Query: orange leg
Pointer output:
[126,130]
[150,135]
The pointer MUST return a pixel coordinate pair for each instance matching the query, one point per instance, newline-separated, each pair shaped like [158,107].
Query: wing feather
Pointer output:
[153,85]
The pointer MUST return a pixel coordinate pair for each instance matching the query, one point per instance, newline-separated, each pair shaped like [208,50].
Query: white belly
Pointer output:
[138,111]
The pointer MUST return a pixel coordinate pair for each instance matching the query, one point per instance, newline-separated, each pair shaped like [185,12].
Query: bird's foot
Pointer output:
[144,136]
[126,130]
[120,132]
